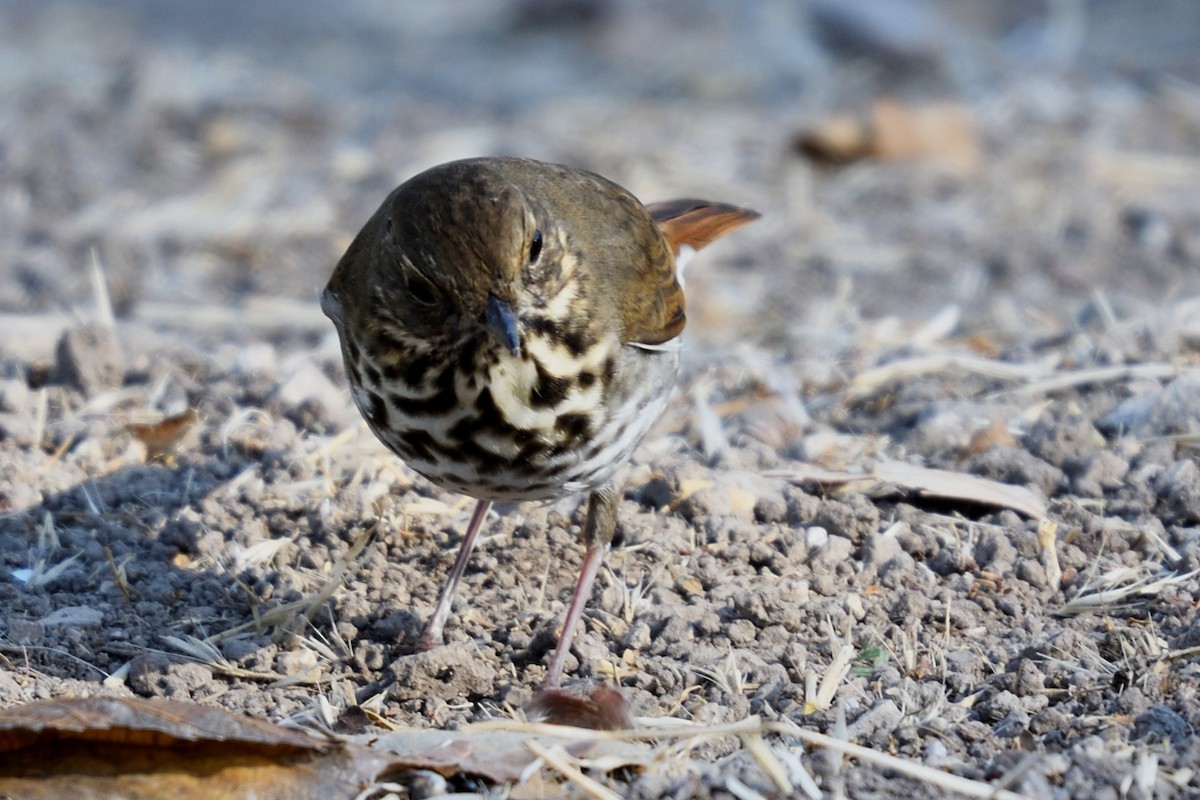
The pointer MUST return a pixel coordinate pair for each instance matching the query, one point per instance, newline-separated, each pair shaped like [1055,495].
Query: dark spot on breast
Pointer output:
[558,450]
[586,379]
[574,426]
[385,340]
[441,401]
[371,372]
[609,371]
[536,487]
[577,340]
[418,443]
[542,325]
[550,390]
[484,485]
[416,368]
[489,415]
[530,452]
[466,357]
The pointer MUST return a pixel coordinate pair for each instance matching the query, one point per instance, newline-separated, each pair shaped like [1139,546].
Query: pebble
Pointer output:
[89,358]
[295,662]
[1162,723]
[1173,410]
[73,617]
[816,537]
[883,717]
[837,550]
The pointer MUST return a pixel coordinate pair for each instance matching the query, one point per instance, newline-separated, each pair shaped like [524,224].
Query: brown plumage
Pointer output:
[511,330]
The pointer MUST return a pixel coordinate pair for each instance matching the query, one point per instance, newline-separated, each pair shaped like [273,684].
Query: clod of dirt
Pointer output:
[454,670]
[89,358]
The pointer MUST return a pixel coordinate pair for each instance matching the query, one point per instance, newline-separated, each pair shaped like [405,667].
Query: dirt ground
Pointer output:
[176,185]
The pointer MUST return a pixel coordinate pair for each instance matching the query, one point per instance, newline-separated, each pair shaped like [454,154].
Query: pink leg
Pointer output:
[583,592]
[598,533]
[432,636]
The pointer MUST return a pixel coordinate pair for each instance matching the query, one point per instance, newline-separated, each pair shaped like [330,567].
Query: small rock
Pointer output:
[935,753]
[741,632]
[638,637]
[881,548]
[999,706]
[816,537]
[25,631]
[837,550]
[1179,486]
[1057,439]
[295,662]
[1161,723]
[145,673]
[73,617]
[1131,414]
[995,551]
[1032,572]
[89,358]
[771,508]
[1105,468]
[453,670]
[1174,409]
[884,717]
[801,506]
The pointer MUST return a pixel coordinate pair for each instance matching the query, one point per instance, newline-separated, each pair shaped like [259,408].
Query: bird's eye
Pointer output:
[422,291]
[535,247]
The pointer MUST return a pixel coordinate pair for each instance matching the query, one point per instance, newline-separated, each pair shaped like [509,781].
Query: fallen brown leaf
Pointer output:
[165,437]
[601,708]
[943,132]
[130,749]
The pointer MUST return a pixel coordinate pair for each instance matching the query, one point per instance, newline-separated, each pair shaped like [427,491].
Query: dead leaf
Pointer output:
[994,435]
[836,140]
[880,477]
[502,756]
[601,708]
[944,132]
[133,749]
[165,437]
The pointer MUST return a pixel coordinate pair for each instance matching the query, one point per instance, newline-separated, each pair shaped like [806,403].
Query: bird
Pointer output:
[511,329]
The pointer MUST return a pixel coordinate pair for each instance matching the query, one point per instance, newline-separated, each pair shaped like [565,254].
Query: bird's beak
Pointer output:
[501,322]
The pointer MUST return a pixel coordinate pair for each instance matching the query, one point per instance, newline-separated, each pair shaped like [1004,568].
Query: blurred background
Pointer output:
[1004,158]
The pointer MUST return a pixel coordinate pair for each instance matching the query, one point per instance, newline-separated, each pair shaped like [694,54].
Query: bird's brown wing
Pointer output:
[684,223]
[695,223]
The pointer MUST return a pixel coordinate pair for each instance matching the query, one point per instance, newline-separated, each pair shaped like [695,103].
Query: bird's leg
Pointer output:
[432,636]
[598,535]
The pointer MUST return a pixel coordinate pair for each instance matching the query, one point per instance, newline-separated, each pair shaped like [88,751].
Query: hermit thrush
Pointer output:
[511,329]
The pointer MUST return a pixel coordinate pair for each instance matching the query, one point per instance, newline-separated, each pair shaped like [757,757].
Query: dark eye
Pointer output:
[535,247]
[421,292]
